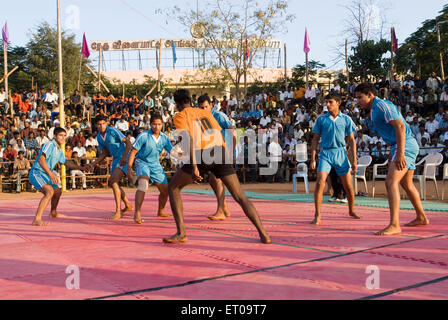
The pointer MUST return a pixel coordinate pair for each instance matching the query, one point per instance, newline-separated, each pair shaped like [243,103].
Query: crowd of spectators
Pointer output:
[281,120]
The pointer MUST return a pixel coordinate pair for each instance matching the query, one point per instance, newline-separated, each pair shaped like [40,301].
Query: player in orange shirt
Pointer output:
[206,142]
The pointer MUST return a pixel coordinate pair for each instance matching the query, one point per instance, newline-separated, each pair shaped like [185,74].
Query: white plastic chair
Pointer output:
[445,178]
[363,163]
[431,161]
[302,168]
[377,176]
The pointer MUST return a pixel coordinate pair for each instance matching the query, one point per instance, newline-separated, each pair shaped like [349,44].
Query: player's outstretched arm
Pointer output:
[128,144]
[103,156]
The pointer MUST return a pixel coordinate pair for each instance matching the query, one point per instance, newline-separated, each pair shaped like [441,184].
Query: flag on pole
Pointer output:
[247,49]
[174,52]
[85,47]
[307,42]
[394,41]
[5,34]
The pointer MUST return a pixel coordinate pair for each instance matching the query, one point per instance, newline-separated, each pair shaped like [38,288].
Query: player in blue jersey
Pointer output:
[394,130]
[222,212]
[146,152]
[112,143]
[45,180]
[335,129]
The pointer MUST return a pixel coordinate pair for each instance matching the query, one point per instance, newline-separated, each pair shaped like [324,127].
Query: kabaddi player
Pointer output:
[394,130]
[146,153]
[111,142]
[43,178]
[204,102]
[335,128]
[205,142]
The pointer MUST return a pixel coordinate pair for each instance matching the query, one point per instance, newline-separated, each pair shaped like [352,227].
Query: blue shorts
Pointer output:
[411,150]
[153,171]
[334,158]
[116,164]
[38,179]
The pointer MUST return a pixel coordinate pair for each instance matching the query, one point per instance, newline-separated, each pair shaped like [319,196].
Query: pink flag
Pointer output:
[307,44]
[85,48]
[5,34]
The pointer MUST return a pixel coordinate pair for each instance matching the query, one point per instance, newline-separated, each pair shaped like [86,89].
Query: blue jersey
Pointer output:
[53,156]
[112,142]
[149,149]
[333,131]
[382,113]
[223,121]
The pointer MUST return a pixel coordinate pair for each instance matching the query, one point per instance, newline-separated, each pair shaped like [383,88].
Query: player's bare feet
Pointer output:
[218,216]
[265,238]
[138,219]
[354,215]
[126,209]
[177,238]
[39,223]
[56,215]
[226,212]
[316,221]
[389,231]
[116,216]
[163,214]
[419,222]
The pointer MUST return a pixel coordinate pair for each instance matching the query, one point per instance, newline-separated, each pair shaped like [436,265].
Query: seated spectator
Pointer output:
[31,146]
[430,103]
[75,173]
[378,155]
[90,154]
[91,141]
[21,168]
[80,150]
[432,125]
[422,134]
[363,150]
[20,146]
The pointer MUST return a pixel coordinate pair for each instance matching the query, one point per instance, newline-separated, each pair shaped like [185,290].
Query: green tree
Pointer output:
[43,59]
[368,59]
[299,73]
[20,79]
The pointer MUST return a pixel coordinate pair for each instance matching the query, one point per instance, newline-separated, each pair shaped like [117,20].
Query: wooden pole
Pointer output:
[9,74]
[99,70]
[442,69]
[346,61]
[306,72]
[286,70]
[391,55]
[96,76]
[5,69]
[79,76]
[61,94]
[123,90]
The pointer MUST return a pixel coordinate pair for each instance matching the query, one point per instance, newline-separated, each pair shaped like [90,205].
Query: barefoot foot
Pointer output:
[177,238]
[316,221]
[419,222]
[126,209]
[389,231]
[55,215]
[218,216]
[265,238]
[116,216]
[354,215]
[39,223]
[163,214]
[138,219]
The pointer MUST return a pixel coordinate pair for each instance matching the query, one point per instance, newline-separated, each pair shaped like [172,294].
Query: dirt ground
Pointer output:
[258,187]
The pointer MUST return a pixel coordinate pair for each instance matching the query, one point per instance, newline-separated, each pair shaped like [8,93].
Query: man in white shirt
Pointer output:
[91,141]
[275,157]
[4,100]
[283,94]
[122,125]
[336,87]
[80,150]
[438,147]
[432,125]
[170,104]
[409,82]
[443,98]
[265,120]
[232,102]
[310,93]
[51,98]
[433,82]
[70,130]
[42,139]
[422,135]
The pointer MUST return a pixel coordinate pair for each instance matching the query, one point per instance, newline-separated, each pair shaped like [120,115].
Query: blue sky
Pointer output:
[115,19]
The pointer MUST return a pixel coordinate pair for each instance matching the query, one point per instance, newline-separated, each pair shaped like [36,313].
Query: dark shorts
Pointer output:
[220,169]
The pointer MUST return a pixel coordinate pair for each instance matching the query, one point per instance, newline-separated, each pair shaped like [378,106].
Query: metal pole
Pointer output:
[346,60]
[442,69]
[61,95]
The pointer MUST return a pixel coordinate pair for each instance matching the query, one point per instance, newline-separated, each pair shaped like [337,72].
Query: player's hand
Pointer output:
[400,162]
[122,161]
[313,165]
[54,178]
[197,179]
[354,169]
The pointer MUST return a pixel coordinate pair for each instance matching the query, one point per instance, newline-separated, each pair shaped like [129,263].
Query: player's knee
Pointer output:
[143,185]
[48,192]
